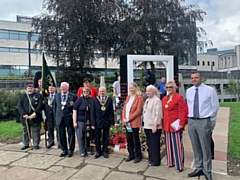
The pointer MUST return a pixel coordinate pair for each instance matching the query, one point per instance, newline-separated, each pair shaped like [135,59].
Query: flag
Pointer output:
[47,78]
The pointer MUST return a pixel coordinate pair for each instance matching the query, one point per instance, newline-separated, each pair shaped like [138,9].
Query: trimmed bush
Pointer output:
[8,103]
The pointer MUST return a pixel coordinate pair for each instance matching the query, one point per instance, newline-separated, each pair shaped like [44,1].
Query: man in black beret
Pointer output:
[30,106]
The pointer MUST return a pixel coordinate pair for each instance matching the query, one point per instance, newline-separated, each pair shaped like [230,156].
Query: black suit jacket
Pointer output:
[65,114]
[48,109]
[23,106]
[101,118]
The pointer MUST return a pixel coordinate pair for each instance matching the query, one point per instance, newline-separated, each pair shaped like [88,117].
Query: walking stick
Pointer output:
[29,137]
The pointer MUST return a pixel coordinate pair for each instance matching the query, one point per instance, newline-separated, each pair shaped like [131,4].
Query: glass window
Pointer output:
[14,49]
[208,63]
[213,64]
[198,63]
[14,35]
[203,63]
[23,50]
[4,49]
[23,36]
[4,34]
[34,37]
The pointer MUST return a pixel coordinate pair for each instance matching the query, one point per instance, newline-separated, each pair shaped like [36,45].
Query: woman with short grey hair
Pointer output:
[152,116]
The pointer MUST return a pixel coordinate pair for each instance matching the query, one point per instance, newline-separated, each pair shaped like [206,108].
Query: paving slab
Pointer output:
[54,151]
[55,168]
[1,151]
[123,176]
[112,162]
[162,172]
[3,168]
[152,179]
[38,161]
[132,167]
[43,150]
[2,144]
[9,157]
[70,162]
[13,147]
[63,174]
[21,173]
[91,172]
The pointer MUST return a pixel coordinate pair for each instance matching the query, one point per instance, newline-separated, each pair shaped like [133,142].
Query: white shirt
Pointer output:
[49,98]
[208,101]
[129,105]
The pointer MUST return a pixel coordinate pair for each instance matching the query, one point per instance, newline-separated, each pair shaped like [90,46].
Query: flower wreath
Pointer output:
[120,139]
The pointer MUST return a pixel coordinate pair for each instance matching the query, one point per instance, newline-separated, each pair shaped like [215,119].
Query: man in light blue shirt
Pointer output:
[203,106]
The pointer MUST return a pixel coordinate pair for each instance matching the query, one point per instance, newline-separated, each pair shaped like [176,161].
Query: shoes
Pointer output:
[105,155]
[50,145]
[70,155]
[178,171]
[63,154]
[196,173]
[82,154]
[36,147]
[97,156]
[24,147]
[212,157]
[137,160]
[89,153]
[129,159]
[59,146]
[152,164]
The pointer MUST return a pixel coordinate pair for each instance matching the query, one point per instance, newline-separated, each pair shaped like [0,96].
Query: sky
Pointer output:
[222,22]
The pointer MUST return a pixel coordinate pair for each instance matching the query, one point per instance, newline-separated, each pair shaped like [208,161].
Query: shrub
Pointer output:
[8,103]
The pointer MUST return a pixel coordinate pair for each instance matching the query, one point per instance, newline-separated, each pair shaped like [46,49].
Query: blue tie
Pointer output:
[196,105]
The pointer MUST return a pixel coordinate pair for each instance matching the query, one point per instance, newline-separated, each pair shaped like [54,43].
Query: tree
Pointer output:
[72,31]
[233,88]
[165,27]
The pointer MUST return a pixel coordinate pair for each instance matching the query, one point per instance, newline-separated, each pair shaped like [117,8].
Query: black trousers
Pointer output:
[98,134]
[134,147]
[51,127]
[153,142]
[63,137]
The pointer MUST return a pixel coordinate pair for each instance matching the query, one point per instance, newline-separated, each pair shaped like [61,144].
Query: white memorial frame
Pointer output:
[169,61]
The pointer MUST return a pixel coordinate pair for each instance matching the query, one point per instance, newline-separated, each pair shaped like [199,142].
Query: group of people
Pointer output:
[171,116]
[91,114]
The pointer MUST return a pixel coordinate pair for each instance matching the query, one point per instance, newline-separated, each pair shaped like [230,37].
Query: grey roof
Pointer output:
[216,52]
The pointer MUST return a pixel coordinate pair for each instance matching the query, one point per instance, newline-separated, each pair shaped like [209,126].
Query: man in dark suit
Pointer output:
[30,107]
[63,112]
[102,117]
[50,118]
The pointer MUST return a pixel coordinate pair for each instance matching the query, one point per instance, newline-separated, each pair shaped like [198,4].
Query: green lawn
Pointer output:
[10,129]
[234,129]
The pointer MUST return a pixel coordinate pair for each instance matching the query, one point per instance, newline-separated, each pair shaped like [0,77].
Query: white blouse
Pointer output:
[129,105]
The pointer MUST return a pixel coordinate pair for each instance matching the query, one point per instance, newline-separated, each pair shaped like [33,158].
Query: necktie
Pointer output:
[51,97]
[64,97]
[102,99]
[196,105]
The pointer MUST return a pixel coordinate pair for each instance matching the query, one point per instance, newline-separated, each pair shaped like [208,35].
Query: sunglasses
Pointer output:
[167,87]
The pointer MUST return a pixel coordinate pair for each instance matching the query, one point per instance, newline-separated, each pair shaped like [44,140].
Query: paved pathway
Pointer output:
[46,164]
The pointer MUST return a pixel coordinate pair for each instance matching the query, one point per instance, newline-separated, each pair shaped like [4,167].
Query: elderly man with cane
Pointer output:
[30,106]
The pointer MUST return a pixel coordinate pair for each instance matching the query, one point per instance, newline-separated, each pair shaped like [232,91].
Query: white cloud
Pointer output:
[221,22]
[11,8]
